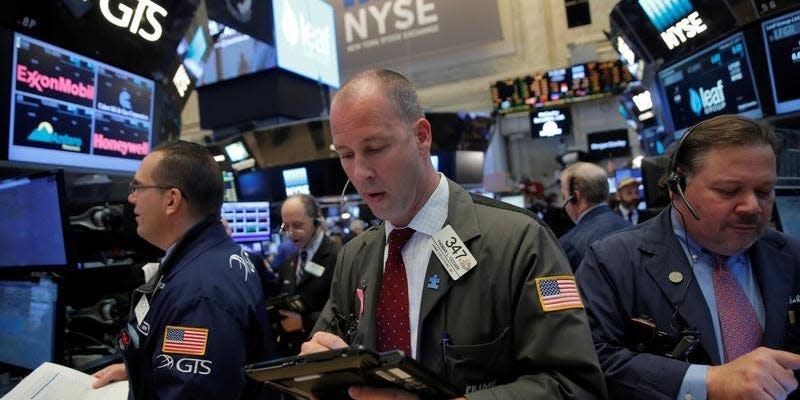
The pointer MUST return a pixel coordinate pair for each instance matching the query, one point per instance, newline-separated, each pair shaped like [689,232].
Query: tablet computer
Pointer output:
[327,375]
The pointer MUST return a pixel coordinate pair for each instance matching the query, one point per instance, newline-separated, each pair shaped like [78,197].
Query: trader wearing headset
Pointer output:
[307,272]
[701,301]
[585,189]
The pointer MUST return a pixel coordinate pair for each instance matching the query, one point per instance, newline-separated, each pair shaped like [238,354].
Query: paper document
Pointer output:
[56,382]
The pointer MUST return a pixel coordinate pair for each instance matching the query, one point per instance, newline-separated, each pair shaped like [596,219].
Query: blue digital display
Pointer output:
[28,326]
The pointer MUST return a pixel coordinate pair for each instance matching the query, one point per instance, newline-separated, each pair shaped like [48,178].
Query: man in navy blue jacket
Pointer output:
[202,317]
[703,300]
[585,190]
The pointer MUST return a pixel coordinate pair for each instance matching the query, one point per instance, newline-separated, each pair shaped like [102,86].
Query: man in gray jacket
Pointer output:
[477,291]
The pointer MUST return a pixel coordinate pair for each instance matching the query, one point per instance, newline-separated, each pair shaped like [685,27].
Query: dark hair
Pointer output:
[724,131]
[191,168]
[397,88]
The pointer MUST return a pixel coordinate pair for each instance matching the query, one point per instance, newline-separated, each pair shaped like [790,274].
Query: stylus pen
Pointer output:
[445,342]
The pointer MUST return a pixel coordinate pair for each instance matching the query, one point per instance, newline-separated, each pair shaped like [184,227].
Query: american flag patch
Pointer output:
[558,293]
[185,340]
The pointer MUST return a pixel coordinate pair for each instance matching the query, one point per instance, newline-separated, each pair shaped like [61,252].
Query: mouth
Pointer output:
[745,228]
[376,196]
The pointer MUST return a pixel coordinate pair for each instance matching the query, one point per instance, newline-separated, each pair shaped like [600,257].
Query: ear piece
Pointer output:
[316,221]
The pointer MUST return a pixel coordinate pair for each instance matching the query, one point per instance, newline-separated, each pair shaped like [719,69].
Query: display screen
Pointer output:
[578,82]
[229,185]
[236,151]
[787,203]
[32,227]
[28,322]
[249,221]
[550,122]
[305,39]
[782,41]
[608,144]
[562,85]
[70,110]
[295,181]
[714,81]
[235,54]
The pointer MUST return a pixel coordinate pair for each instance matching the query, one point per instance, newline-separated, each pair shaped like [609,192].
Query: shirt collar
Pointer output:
[313,245]
[586,211]
[693,248]
[431,217]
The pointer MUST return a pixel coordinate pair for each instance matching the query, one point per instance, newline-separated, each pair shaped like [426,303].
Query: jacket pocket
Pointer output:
[478,366]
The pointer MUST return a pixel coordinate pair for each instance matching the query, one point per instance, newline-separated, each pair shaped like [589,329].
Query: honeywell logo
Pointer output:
[41,82]
[122,147]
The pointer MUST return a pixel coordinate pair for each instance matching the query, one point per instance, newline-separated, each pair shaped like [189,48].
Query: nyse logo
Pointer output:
[400,14]
[297,29]
[707,101]
[683,30]
[132,18]
[185,365]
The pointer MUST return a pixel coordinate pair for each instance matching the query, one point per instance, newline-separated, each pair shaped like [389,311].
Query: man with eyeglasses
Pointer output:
[307,272]
[202,316]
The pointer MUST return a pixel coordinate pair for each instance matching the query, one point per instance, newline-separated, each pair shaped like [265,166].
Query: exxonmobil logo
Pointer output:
[41,82]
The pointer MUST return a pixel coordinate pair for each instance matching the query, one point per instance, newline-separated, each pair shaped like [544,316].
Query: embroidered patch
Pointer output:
[185,340]
[558,293]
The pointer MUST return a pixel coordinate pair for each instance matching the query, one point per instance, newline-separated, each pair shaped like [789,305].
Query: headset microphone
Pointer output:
[688,205]
[343,200]
[676,180]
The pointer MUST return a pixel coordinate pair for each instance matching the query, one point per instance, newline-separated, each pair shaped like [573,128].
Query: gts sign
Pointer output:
[683,30]
[127,17]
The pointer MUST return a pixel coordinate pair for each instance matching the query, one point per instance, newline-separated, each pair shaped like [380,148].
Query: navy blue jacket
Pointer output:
[626,275]
[598,223]
[207,318]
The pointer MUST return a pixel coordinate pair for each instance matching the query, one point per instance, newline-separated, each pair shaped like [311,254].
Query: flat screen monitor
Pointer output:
[653,169]
[435,162]
[782,43]
[787,205]
[70,110]
[608,144]
[295,180]
[236,151]
[249,221]
[305,39]
[550,122]
[33,220]
[714,81]
[235,54]
[229,184]
[253,185]
[30,322]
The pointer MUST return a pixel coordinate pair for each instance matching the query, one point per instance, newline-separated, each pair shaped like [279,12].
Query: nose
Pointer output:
[131,198]
[361,171]
[749,204]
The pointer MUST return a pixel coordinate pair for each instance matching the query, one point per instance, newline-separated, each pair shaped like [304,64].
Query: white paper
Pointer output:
[56,382]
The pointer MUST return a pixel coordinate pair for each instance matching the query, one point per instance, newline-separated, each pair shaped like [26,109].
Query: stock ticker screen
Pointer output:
[70,110]
[714,81]
[560,86]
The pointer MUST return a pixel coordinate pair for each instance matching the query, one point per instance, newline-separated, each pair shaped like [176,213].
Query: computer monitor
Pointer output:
[249,221]
[237,151]
[653,169]
[787,207]
[32,222]
[30,322]
[229,184]
[781,36]
[295,180]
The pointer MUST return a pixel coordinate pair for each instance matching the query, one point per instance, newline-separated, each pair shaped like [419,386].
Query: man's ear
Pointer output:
[423,133]
[174,201]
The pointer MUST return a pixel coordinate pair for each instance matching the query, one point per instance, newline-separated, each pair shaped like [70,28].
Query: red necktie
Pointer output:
[741,331]
[394,331]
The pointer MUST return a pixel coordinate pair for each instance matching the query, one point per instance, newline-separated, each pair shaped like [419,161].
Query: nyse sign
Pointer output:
[683,30]
[126,17]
